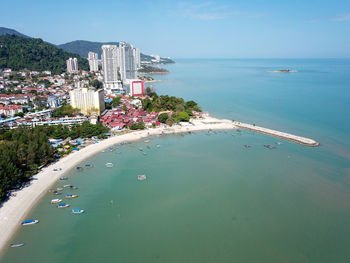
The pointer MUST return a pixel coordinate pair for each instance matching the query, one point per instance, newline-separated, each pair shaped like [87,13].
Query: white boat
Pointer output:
[77,211]
[30,222]
[109,165]
[56,201]
[17,245]
[62,205]
[158,146]
[141,177]
[69,196]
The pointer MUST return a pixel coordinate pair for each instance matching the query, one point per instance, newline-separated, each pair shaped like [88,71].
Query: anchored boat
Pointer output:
[17,245]
[141,177]
[77,211]
[62,205]
[56,201]
[68,196]
[30,222]
[109,165]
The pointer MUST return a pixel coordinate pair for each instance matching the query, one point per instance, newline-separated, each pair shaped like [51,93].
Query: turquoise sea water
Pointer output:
[207,198]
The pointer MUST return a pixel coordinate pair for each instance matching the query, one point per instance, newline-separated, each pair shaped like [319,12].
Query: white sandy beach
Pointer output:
[14,211]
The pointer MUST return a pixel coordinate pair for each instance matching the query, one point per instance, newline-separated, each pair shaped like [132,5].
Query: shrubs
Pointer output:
[137,126]
[163,117]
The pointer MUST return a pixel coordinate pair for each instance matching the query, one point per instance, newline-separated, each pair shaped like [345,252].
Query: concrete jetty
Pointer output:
[278,134]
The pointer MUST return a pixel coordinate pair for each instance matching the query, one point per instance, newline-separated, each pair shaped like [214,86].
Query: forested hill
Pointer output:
[19,53]
[4,31]
[82,47]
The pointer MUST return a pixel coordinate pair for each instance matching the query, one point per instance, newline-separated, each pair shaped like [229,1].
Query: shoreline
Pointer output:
[16,208]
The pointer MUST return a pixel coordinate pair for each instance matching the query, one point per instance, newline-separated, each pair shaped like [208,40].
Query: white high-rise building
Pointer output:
[72,65]
[93,61]
[87,100]
[127,61]
[110,66]
[137,55]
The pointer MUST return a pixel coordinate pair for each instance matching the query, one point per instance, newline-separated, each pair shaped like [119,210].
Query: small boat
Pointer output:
[17,245]
[66,185]
[79,168]
[30,222]
[158,146]
[141,177]
[109,165]
[279,143]
[59,189]
[71,196]
[63,178]
[144,153]
[57,193]
[52,191]
[88,165]
[74,187]
[77,211]
[147,141]
[269,146]
[57,169]
[140,149]
[56,201]
[148,147]
[62,205]
[247,146]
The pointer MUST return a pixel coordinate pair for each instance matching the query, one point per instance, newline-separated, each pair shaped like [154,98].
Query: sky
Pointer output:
[192,29]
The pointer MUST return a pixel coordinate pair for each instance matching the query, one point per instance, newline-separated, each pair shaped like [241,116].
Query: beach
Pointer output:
[14,210]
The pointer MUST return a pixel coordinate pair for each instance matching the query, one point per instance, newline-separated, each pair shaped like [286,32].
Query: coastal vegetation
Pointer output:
[22,152]
[168,103]
[19,53]
[154,70]
[137,126]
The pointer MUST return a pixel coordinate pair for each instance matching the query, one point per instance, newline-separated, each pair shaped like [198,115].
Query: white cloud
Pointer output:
[341,18]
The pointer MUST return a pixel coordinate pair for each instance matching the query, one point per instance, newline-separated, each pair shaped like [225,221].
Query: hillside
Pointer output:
[82,47]
[4,31]
[18,53]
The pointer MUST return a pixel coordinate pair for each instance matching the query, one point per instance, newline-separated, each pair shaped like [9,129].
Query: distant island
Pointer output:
[285,71]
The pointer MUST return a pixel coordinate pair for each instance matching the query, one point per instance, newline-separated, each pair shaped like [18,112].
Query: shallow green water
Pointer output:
[207,198]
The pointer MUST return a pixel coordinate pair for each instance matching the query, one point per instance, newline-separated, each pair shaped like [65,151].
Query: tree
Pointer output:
[96,84]
[116,101]
[19,114]
[137,126]
[183,116]
[163,117]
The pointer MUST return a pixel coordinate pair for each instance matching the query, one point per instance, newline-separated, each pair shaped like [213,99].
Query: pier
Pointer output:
[278,134]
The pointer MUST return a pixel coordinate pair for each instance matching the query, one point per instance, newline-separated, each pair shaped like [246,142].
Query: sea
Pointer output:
[207,198]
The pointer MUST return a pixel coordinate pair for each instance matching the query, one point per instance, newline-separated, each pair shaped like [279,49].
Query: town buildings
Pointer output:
[72,65]
[87,100]
[93,61]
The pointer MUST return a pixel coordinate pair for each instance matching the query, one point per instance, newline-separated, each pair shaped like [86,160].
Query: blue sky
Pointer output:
[193,29]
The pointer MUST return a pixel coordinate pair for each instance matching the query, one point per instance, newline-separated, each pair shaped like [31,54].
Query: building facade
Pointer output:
[88,100]
[110,67]
[72,65]
[93,61]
